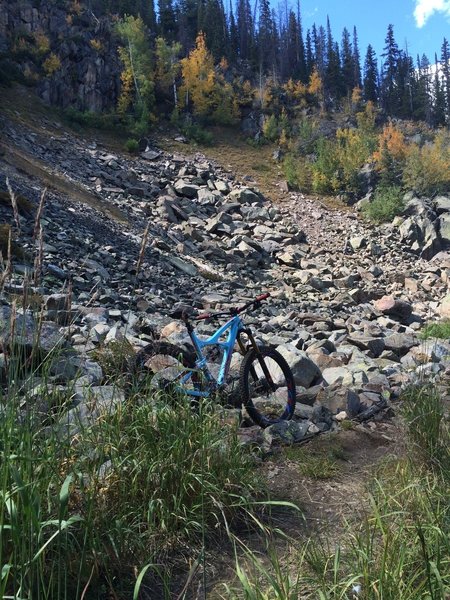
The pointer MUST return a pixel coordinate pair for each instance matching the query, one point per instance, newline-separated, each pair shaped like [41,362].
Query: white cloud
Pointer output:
[426,8]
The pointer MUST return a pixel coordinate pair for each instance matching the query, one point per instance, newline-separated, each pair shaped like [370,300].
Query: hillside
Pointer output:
[98,262]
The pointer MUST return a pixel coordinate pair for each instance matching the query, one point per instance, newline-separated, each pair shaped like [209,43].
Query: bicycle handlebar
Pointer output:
[234,311]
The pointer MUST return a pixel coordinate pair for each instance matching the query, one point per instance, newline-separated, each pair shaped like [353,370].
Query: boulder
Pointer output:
[305,371]
[394,307]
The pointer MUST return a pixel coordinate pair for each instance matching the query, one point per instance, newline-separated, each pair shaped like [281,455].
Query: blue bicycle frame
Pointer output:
[235,326]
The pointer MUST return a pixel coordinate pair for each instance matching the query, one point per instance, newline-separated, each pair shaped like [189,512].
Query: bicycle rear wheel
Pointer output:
[168,368]
[267,386]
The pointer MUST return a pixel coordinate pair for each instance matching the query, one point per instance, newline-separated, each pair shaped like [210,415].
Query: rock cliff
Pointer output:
[71,57]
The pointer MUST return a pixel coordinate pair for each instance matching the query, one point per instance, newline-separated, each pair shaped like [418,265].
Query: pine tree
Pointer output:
[319,45]
[309,55]
[265,37]
[445,67]
[370,82]
[188,22]
[167,25]
[292,48]
[333,78]
[421,93]
[439,97]
[233,46]
[404,84]
[348,67]
[303,71]
[356,59]
[214,27]
[245,29]
[389,91]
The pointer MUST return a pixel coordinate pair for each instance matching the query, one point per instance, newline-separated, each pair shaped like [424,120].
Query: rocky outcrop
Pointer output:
[425,225]
[85,74]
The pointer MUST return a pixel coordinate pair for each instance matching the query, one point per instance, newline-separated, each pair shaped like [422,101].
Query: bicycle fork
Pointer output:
[259,356]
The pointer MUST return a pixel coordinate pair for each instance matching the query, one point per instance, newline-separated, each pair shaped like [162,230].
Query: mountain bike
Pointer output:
[266,386]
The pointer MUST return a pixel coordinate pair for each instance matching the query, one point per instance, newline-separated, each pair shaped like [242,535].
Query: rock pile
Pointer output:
[348,299]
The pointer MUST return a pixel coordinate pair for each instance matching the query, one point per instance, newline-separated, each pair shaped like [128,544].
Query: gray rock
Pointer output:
[305,371]
[337,398]
[286,432]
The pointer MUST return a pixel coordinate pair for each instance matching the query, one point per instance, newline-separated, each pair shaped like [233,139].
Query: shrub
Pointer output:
[427,169]
[132,145]
[298,173]
[436,330]
[270,129]
[387,204]
[51,64]
[195,132]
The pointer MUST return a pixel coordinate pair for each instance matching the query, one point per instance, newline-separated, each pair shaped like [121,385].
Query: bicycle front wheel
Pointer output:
[267,386]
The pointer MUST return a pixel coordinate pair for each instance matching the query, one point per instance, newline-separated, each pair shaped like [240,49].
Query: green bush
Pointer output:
[387,204]
[436,330]
[270,129]
[198,134]
[132,145]
[106,121]
[298,173]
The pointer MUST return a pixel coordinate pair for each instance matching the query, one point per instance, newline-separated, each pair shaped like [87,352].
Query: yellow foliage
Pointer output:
[295,90]
[42,42]
[427,169]
[356,95]
[315,85]
[198,77]
[283,141]
[392,141]
[51,64]
[126,92]
[97,45]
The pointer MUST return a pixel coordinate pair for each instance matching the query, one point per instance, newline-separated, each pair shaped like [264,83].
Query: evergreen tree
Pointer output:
[265,38]
[318,39]
[421,93]
[309,55]
[439,96]
[189,15]
[389,91]
[333,78]
[445,67]
[348,67]
[233,45]
[404,83]
[292,48]
[245,29]
[370,82]
[303,71]
[356,59]
[214,28]
[167,24]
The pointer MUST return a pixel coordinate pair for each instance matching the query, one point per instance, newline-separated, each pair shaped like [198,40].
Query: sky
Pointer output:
[421,24]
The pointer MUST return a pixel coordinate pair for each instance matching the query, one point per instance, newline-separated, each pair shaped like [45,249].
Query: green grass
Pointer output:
[319,460]
[436,330]
[132,488]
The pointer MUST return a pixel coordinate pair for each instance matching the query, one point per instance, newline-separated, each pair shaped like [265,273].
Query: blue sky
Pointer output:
[422,24]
